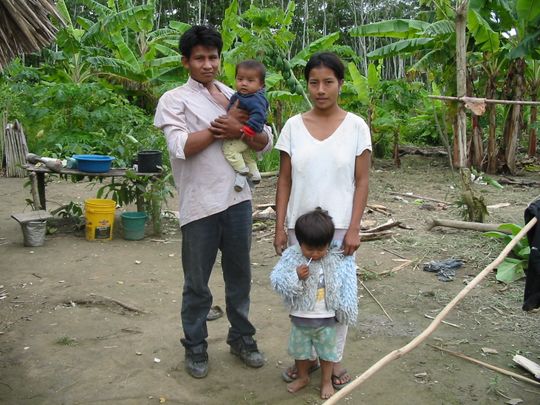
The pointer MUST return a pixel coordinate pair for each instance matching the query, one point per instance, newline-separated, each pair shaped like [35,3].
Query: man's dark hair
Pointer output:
[252,64]
[315,228]
[326,59]
[200,35]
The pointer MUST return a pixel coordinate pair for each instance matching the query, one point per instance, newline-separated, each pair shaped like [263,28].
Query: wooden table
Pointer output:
[37,174]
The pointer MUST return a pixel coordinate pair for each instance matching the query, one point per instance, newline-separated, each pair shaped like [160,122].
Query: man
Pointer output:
[213,216]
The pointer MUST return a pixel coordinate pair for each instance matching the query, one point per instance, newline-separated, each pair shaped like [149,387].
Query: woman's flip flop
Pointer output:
[337,378]
[292,369]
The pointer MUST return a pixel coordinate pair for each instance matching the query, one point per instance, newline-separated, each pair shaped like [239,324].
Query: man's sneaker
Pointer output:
[196,364]
[246,348]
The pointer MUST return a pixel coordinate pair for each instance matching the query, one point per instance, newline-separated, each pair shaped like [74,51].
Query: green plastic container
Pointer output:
[133,225]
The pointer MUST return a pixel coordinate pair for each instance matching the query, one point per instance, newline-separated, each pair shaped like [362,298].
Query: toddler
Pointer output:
[319,287]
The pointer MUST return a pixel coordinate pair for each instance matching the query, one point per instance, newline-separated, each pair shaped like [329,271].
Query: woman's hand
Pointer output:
[351,242]
[302,271]
[280,241]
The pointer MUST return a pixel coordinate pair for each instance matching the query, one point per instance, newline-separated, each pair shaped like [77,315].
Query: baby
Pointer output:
[250,94]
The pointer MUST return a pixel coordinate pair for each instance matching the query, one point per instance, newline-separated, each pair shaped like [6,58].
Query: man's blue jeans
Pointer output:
[230,232]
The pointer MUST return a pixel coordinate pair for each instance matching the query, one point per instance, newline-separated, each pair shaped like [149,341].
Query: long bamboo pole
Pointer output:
[485,100]
[396,354]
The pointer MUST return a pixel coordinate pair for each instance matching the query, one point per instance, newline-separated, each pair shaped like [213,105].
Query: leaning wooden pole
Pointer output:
[396,354]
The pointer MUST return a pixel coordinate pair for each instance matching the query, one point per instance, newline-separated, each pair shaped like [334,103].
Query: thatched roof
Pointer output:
[25,27]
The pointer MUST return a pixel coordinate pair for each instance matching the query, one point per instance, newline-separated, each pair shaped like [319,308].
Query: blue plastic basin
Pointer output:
[93,163]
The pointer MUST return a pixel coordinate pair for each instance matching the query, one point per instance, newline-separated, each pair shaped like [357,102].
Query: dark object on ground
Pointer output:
[215,313]
[531,296]
[445,269]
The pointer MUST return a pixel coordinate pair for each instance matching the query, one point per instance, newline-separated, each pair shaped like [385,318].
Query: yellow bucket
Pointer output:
[99,215]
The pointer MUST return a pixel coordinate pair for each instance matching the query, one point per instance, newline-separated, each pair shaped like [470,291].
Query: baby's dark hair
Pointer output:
[315,228]
[326,59]
[200,35]
[252,64]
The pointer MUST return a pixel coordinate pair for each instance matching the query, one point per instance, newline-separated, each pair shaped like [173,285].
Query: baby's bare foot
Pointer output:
[297,384]
[327,390]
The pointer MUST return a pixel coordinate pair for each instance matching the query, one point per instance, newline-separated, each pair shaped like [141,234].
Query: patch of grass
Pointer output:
[366,274]
[66,341]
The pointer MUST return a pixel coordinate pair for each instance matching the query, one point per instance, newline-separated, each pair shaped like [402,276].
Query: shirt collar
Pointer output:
[200,88]
[194,84]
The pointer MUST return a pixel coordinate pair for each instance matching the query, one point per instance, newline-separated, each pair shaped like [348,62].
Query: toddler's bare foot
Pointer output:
[327,390]
[297,384]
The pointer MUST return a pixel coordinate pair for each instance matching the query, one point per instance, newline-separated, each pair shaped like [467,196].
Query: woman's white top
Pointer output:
[323,171]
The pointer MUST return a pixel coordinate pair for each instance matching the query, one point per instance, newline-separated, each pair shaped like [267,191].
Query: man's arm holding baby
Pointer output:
[230,126]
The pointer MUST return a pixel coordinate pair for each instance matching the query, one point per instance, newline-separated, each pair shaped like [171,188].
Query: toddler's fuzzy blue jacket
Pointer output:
[339,276]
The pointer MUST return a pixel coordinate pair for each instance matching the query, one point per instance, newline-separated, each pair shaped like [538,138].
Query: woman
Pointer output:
[324,162]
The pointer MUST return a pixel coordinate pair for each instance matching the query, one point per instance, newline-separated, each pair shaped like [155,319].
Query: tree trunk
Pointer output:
[477,149]
[397,160]
[514,118]
[455,144]
[532,130]
[461,68]
[492,118]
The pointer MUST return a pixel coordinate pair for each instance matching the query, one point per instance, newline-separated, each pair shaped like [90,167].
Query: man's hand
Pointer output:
[302,271]
[236,112]
[229,126]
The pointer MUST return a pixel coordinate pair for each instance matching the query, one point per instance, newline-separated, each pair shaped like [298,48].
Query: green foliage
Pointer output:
[62,119]
[512,268]
[148,192]
[66,341]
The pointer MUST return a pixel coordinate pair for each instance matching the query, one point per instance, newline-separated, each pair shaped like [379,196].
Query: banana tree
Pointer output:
[264,34]
[118,42]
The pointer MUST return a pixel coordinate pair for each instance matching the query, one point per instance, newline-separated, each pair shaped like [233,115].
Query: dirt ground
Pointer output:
[64,340]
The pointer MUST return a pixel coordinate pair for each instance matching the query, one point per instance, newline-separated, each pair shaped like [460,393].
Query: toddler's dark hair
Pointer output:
[252,64]
[200,35]
[315,228]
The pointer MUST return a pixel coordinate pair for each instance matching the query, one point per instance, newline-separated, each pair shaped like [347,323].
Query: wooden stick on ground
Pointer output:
[474,226]
[394,253]
[377,301]
[419,197]
[487,365]
[396,354]
[395,269]
[446,323]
